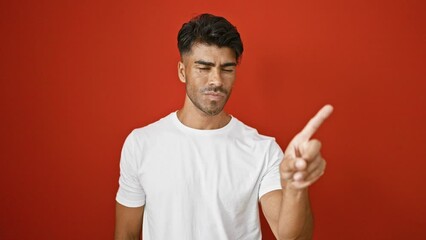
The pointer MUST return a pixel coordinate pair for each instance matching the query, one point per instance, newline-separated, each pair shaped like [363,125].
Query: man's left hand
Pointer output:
[303,164]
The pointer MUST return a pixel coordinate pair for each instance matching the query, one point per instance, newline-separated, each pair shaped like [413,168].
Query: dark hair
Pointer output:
[209,29]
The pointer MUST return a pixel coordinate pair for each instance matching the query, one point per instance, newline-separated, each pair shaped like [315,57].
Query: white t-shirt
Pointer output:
[198,184]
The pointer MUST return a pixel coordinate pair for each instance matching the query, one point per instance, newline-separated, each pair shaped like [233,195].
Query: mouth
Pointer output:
[214,96]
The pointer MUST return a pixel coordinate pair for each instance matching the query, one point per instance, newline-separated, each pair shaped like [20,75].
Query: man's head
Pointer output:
[210,48]
[210,30]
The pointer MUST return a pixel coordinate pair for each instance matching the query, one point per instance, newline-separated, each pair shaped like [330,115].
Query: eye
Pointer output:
[228,70]
[204,68]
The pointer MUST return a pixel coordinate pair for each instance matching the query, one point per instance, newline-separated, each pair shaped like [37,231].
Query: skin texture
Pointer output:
[128,222]
[209,73]
[288,211]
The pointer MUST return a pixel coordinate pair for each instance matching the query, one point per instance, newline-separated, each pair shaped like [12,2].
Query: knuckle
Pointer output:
[311,155]
[316,142]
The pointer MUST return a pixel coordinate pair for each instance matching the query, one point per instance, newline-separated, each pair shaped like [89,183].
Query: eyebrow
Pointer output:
[210,64]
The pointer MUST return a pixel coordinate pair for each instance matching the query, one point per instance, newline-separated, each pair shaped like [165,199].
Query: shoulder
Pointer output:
[156,127]
[245,131]
[252,137]
[151,131]
[263,146]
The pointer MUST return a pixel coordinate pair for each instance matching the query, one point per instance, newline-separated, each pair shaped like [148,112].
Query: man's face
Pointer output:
[209,74]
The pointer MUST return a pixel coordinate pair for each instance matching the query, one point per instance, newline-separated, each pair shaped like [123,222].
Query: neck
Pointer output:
[193,117]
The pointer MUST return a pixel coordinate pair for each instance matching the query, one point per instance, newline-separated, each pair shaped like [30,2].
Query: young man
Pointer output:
[199,173]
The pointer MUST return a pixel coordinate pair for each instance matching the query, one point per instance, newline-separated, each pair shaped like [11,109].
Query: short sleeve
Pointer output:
[271,180]
[130,192]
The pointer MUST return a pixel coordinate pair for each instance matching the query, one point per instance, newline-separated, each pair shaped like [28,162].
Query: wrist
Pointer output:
[291,191]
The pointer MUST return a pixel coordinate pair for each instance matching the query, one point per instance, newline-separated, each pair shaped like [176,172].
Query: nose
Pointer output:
[215,79]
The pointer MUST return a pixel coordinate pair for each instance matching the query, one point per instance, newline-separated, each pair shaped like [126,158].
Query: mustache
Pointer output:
[214,89]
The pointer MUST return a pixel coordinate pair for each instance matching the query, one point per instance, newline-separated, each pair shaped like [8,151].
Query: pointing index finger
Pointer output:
[314,123]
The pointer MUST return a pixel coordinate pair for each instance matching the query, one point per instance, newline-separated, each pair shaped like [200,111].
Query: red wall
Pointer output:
[77,76]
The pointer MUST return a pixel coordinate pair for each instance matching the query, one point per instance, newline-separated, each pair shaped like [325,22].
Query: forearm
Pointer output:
[302,166]
[295,218]
[128,222]
[119,236]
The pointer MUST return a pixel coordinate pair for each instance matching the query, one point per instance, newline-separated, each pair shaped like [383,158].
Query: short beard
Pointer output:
[210,112]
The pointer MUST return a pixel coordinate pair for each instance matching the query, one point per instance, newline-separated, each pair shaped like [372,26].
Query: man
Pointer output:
[199,173]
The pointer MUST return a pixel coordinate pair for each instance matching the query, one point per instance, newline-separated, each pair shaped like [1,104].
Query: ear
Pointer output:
[181,71]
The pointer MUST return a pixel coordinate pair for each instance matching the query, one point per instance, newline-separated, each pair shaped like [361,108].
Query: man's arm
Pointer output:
[288,211]
[128,222]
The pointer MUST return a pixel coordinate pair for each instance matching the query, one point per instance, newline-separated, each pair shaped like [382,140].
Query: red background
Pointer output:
[78,76]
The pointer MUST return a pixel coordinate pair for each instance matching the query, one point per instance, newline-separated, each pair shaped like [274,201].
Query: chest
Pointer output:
[223,172]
